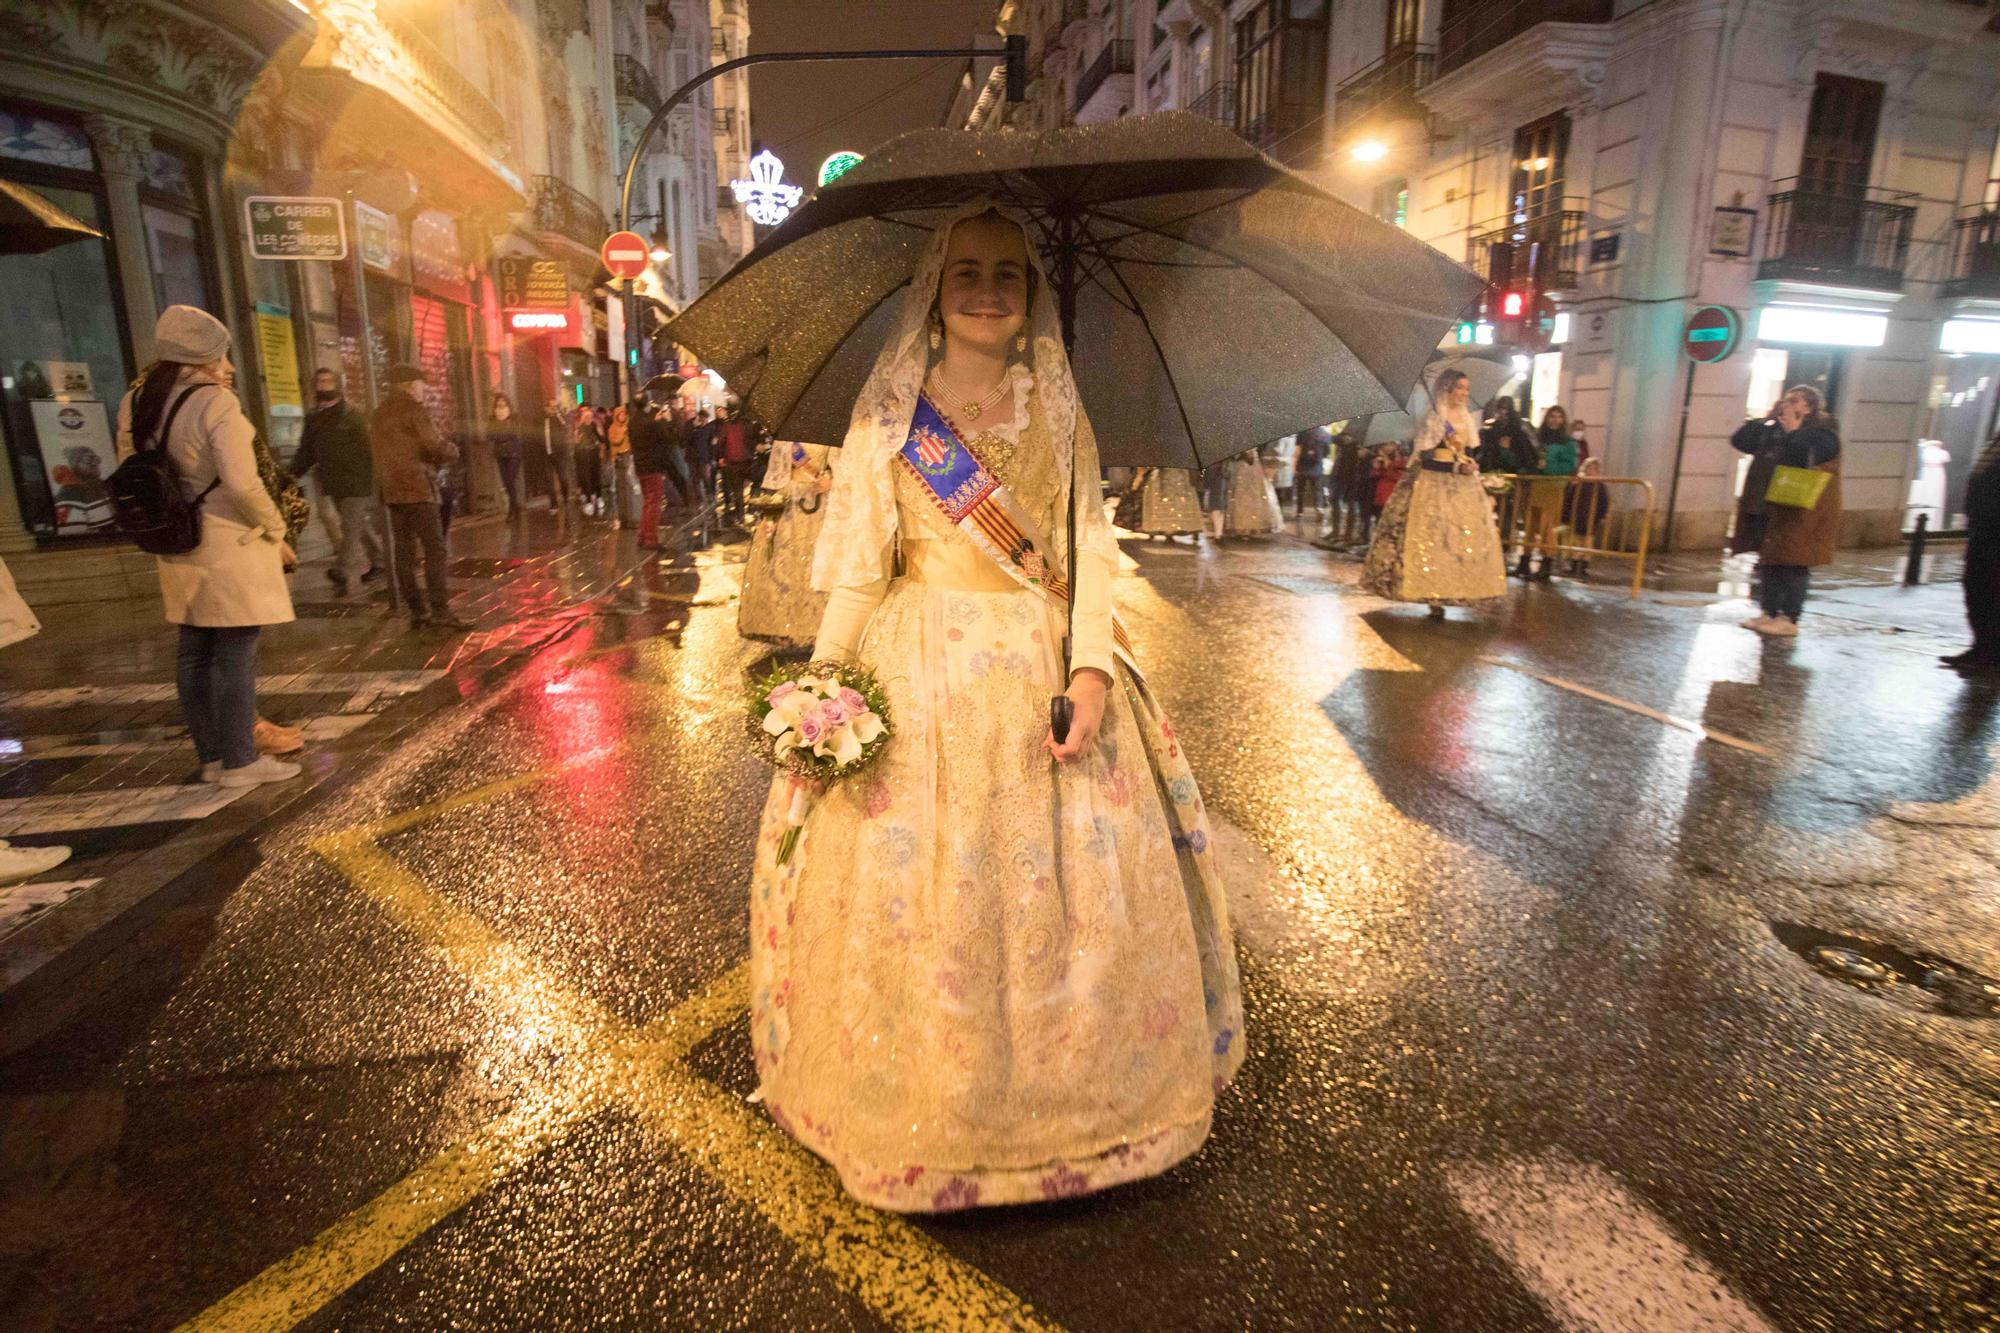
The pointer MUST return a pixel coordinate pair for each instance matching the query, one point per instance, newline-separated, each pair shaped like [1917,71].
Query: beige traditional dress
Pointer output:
[985,977]
[1251,509]
[779,602]
[1161,502]
[1437,541]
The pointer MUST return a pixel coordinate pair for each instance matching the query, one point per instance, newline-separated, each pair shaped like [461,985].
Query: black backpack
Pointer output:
[146,495]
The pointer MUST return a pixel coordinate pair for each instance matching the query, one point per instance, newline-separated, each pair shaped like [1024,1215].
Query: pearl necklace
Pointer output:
[972,410]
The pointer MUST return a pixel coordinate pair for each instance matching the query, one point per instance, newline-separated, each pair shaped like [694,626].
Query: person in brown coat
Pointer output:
[408,451]
[1797,539]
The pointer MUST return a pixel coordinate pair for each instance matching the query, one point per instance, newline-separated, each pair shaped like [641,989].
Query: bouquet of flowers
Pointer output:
[820,722]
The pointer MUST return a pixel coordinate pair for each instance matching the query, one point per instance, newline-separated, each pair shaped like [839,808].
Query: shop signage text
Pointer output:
[377,237]
[537,321]
[1710,333]
[284,227]
[531,284]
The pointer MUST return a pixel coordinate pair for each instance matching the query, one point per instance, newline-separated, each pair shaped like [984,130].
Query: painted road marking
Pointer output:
[370,685]
[1668,719]
[1599,1259]
[899,1272]
[114,807]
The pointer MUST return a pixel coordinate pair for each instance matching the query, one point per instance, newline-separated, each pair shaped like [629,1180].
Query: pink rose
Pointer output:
[781,691]
[855,704]
[812,728]
[833,712]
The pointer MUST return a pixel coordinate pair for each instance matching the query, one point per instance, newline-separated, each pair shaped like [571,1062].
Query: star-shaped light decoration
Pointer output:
[765,196]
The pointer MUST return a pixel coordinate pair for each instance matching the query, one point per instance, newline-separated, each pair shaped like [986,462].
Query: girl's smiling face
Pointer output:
[983,294]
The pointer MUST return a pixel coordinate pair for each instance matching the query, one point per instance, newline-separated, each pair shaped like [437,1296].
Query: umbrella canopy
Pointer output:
[1213,300]
[30,224]
[1485,377]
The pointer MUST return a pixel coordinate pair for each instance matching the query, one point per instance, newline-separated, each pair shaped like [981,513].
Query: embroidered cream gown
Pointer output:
[985,977]
[1437,541]
[779,602]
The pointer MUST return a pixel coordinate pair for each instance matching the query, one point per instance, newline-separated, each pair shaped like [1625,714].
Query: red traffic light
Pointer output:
[1513,305]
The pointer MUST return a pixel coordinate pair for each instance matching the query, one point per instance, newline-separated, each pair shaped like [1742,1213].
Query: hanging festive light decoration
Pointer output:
[765,196]
[837,165]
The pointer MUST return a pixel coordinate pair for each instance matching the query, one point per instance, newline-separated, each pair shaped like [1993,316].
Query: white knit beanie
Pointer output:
[190,336]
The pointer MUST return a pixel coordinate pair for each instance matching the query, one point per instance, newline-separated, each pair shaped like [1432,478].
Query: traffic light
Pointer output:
[1509,313]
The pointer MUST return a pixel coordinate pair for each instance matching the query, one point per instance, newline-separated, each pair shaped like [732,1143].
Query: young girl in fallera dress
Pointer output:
[1437,541]
[998,967]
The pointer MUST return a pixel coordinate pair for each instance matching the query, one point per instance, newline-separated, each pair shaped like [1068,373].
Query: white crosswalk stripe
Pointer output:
[367,687]
[1599,1259]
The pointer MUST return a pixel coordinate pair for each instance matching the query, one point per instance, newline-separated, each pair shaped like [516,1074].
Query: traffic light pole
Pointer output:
[1014,53]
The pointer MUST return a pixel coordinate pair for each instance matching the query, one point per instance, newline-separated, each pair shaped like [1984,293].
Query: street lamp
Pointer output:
[1368,150]
[659,254]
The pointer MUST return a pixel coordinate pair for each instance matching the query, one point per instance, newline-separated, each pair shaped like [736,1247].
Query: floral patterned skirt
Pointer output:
[1436,542]
[985,978]
[778,600]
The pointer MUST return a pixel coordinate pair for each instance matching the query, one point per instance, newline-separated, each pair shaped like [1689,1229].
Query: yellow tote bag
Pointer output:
[1797,487]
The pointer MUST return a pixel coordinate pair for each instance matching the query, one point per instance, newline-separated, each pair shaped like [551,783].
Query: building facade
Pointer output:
[1826,171]
[471,156]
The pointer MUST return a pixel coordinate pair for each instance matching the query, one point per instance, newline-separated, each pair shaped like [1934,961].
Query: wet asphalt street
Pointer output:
[1536,1041]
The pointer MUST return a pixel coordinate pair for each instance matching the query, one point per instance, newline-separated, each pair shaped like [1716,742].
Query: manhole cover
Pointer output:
[1925,981]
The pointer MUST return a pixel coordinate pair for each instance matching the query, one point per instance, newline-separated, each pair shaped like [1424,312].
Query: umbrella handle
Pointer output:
[1061,713]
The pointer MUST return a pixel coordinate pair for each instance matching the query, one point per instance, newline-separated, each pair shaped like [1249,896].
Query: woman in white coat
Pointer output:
[228,588]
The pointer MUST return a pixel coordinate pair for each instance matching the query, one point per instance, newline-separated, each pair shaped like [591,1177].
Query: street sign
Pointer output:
[1710,334]
[288,227]
[531,284]
[624,254]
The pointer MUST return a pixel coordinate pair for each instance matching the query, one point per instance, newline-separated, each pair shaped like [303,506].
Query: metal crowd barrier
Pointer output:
[1560,515]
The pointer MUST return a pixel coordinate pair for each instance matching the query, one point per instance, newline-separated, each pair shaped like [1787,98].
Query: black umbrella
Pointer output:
[30,224]
[1213,300]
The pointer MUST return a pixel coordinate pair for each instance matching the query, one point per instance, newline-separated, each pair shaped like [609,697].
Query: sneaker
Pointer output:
[212,771]
[19,863]
[1760,623]
[1782,627]
[265,769]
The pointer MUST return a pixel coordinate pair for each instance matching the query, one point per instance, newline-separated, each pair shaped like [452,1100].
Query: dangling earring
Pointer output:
[937,337]
[1021,342]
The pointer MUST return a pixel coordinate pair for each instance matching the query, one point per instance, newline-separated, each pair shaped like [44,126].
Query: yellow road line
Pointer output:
[1679,723]
[445,805]
[299,1285]
[900,1273]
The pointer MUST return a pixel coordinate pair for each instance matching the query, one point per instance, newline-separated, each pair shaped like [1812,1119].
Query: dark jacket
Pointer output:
[408,451]
[1805,536]
[505,437]
[1314,444]
[1506,448]
[1982,493]
[649,443]
[1761,440]
[335,440]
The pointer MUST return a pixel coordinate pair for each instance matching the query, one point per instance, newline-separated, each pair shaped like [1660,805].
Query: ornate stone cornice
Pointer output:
[1547,68]
[206,58]
[122,147]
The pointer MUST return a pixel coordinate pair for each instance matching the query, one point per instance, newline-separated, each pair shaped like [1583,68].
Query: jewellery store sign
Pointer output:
[531,284]
[288,227]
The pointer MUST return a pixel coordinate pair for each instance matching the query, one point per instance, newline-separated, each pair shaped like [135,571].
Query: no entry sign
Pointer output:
[624,254]
[1711,333]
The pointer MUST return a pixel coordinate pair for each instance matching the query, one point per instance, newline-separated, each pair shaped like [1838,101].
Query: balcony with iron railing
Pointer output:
[635,81]
[433,73]
[1115,58]
[1543,249]
[1387,87]
[1473,31]
[1217,104]
[1850,240]
[563,210]
[1975,253]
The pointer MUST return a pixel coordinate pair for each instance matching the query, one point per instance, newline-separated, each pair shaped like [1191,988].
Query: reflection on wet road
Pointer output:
[1535,1042]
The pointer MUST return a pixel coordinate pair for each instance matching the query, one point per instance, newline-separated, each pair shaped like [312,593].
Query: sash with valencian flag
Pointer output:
[980,506]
